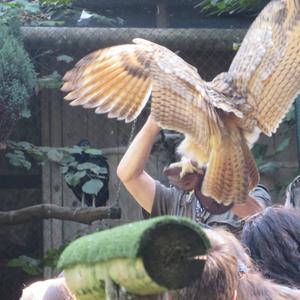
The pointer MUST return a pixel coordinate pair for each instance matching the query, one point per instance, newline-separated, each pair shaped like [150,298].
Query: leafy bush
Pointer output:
[17,78]
[56,2]
[74,170]
[231,6]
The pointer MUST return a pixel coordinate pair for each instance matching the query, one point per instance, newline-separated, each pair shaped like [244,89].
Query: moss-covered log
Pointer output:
[146,257]
[85,40]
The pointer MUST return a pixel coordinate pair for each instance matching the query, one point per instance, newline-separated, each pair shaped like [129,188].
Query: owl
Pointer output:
[221,119]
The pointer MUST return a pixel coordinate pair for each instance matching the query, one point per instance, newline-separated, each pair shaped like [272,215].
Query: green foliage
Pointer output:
[24,154]
[52,81]
[29,265]
[34,266]
[266,158]
[18,8]
[231,6]
[17,78]
[56,2]
[33,12]
[92,187]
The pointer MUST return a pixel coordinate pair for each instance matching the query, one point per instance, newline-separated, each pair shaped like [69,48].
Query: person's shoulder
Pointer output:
[163,188]
[227,218]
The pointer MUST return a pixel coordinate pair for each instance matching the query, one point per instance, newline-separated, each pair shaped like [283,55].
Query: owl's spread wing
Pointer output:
[120,79]
[266,69]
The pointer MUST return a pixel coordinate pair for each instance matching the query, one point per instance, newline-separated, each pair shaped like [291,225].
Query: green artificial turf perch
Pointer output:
[146,257]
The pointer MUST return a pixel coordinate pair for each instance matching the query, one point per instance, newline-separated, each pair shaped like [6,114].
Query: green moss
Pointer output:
[87,282]
[146,257]
[120,242]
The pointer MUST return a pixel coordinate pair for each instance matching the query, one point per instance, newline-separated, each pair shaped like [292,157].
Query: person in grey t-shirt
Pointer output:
[184,198]
[181,199]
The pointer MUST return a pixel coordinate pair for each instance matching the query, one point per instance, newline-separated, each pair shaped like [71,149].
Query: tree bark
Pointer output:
[52,211]
[84,40]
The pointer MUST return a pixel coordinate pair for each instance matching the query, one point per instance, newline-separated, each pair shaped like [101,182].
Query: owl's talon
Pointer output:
[186,167]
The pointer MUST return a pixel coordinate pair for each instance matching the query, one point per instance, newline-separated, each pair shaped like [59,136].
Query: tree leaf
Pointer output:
[65,58]
[92,187]
[282,146]
[103,170]
[18,161]
[52,81]
[73,164]
[73,150]
[259,150]
[64,170]
[74,179]
[36,154]
[24,145]
[55,155]
[28,264]
[89,166]
[68,160]
[269,168]
[25,113]
[93,151]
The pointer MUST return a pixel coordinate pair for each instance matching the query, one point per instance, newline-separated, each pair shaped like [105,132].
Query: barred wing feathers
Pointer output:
[266,69]
[119,80]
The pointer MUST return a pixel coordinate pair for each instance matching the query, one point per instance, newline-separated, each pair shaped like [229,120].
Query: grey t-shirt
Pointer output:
[173,201]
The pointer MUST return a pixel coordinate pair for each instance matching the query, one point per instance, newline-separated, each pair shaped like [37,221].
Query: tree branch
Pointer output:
[52,211]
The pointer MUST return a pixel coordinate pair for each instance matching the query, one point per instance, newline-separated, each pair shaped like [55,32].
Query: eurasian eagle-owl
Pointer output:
[220,119]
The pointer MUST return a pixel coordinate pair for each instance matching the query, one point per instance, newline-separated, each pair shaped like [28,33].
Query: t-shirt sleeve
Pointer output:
[261,194]
[165,199]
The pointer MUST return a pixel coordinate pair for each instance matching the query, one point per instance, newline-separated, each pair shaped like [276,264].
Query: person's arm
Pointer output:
[131,167]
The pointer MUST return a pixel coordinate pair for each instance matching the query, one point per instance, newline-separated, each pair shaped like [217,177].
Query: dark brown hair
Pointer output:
[229,268]
[273,239]
[219,278]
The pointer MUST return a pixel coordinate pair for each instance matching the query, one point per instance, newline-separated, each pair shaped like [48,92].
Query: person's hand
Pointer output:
[52,289]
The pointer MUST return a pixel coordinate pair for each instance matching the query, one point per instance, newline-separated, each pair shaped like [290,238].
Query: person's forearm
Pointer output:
[133,162]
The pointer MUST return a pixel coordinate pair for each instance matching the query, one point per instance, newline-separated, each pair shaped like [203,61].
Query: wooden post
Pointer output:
[162,15]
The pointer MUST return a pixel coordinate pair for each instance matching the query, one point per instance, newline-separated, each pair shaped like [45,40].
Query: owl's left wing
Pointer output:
[266,69]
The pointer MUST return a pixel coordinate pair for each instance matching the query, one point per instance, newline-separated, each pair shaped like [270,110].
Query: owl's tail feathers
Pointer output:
[231,172]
